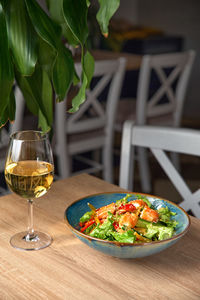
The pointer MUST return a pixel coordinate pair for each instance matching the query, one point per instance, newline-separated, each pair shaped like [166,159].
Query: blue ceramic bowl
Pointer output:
[124,250]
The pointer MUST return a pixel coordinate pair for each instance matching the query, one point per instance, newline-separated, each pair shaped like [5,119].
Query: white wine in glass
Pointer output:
[29,171]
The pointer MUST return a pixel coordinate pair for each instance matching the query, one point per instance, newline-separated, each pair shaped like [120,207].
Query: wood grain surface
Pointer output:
[69,269]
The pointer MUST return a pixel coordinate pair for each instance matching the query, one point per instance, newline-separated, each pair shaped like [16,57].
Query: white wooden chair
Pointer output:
[158,140]
[92,126]
[164,105]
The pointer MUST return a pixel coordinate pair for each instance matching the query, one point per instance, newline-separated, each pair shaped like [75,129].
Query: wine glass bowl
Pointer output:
[29,171]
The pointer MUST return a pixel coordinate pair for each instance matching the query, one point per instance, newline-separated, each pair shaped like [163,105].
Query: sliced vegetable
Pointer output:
[141,238]
[93,209]
[87,224]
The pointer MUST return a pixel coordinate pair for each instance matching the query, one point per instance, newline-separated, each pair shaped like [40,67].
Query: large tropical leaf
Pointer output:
[6,68]
[88,65]
[63,72]
[87,72]
[69,36]
[56,11]
[40,98]
[50,32]
[9,111]
[75,14]
[35,44]
[46,56]
[11,107]
[4,117]
[106,11]
[80,97]
[47,29]
[47,97]
[32,88]
[22,36]
[28,94]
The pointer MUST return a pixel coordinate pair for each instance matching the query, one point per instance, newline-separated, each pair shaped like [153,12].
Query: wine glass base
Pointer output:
[22,242]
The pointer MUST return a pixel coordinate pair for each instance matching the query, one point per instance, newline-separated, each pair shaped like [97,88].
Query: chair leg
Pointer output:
[64,159]
[144,171]
[64,165]
[108,163]
[96,155]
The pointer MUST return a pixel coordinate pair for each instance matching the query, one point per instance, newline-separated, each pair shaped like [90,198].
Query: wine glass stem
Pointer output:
[30,220]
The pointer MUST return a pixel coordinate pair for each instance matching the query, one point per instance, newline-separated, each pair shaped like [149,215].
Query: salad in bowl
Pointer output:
[124,221]
[127,225]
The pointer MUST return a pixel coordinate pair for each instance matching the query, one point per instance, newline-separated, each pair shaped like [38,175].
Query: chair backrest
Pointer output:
[166,94]
[158,140]
[95,116]
[99,113]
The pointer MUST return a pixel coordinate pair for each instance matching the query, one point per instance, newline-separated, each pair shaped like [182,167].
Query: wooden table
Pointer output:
[133,61]
[69,269]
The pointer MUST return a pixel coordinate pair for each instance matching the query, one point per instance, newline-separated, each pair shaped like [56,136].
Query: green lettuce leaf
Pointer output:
[125,237]
[159,231]
[145,199]
[142,223]
[165,216]
[123,200]
[86,217]
[104,231]
[165,233]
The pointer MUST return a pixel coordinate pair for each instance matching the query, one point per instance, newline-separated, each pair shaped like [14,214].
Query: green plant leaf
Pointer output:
[75,14]
[11,107]
[80,97]
[46,56]
[55,9]
[106,11]
[63,72]
[87,73]
[42,122]
[76,79]
[22,37]
[88,3]
[3,3]
[47,97]
[88,64]
[6,67]
[28,94]
[47,29]
[33,90]
[9,111]
[4,117]
[67,33]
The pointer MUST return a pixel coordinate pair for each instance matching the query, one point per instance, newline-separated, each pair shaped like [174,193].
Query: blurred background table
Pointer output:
[133,60]
[69,269]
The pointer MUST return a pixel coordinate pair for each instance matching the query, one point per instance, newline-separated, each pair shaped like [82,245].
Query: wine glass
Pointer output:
[29,171]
